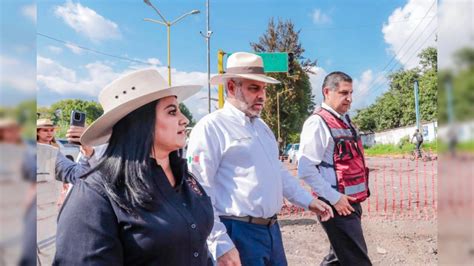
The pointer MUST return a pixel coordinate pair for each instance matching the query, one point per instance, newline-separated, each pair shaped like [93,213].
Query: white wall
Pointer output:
[393,136]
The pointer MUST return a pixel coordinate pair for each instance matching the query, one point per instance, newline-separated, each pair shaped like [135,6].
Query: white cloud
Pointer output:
[154,61]
[52,76]
[55,49]
[74,48]
[87,22]
[454,32]
[320,18]
[401,36]
[29,11]
[366,87]
[316,81]
[17,74]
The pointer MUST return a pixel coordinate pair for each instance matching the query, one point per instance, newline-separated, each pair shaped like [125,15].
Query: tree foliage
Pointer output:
[460,82]
[396,107]
[295,98]
[188,114]
[25,114]
[60,112]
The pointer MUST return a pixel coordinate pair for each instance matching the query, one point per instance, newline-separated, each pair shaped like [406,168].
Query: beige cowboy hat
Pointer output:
[126,94]
[45,123]
[7,122]
[244,65]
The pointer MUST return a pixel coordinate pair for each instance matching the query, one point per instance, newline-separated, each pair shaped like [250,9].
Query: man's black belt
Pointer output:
[253,220]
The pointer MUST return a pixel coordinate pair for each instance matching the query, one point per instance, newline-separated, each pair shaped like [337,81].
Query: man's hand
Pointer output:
[322,209]
[74,134]
[343,207]
[230,258]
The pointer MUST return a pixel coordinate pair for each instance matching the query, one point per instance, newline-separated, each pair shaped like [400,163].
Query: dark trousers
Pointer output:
[345,234]
[418,148]
[258,245]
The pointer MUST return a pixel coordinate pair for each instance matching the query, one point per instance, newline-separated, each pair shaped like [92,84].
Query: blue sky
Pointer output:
[358,37]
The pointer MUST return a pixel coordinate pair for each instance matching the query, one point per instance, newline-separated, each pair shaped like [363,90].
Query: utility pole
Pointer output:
[417,108]
[220,70]
[207,36]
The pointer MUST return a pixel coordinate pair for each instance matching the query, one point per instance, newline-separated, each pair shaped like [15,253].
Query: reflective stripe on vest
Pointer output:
[350,190]
[340,132]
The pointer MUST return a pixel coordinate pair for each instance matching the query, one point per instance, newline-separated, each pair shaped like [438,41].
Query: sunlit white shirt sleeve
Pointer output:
[314,141]
[293,191]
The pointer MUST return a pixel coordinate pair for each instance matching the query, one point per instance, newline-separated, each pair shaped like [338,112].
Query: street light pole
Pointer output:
[168,29]
[278,117]
[207,36]
[168,25]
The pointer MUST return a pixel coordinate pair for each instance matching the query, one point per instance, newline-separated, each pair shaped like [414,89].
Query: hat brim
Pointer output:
[221,78]
[47,126]
[100,130]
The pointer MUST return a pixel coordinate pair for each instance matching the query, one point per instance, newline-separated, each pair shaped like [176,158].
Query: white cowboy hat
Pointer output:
[126,94]
[244,65]
[44,123]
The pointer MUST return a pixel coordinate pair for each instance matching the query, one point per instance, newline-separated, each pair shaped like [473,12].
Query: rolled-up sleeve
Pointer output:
[68,171]
[204,155]
[314,141]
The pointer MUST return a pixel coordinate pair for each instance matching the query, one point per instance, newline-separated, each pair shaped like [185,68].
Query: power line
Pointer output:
[375,81]
[414,53]
[94,51]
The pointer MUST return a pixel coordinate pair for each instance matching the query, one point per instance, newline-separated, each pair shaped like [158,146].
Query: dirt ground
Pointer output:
[406,236]
[390,242]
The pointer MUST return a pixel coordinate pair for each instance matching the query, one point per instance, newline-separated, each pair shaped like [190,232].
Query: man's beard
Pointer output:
[244,106]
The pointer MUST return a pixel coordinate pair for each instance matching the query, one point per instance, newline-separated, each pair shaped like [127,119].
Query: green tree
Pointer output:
[25,114]
[188,114]
[283,37]
[60,112]
[396,107]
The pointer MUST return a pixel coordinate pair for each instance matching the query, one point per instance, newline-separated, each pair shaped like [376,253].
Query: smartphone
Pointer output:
[78,119]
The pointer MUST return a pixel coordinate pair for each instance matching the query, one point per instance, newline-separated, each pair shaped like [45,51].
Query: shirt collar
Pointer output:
[236,113]
[175,167]
[329,108]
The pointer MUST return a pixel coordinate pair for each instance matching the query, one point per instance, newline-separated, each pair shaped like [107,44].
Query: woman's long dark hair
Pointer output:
[126,161]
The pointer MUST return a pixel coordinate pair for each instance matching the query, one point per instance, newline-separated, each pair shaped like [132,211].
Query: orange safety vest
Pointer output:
[349,165]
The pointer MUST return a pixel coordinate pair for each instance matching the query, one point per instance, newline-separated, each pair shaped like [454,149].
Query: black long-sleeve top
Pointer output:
[93,230]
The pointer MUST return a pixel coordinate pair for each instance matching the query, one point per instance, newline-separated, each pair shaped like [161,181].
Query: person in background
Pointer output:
[419,141]
[45,130]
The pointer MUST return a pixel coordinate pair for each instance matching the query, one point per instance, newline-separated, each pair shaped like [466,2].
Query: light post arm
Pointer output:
[156,10]
[183,16]
[155,21]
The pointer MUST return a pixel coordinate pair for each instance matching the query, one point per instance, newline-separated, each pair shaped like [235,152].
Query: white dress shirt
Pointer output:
[235,158]
[316,145]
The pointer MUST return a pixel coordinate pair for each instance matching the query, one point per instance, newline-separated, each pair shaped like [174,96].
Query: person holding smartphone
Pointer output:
[45,130]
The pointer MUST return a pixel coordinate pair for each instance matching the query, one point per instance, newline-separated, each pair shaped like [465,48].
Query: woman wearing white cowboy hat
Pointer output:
[45,130]
[139,205]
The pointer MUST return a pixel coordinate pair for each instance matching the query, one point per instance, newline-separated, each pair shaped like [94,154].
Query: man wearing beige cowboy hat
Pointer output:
[234,155]
[139,205]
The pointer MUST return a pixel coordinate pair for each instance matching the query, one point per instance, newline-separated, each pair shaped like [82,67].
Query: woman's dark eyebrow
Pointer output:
[171,105]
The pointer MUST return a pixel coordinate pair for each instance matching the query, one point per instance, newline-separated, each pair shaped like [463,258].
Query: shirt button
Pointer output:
[196,254]
[193,226]
[184,204]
